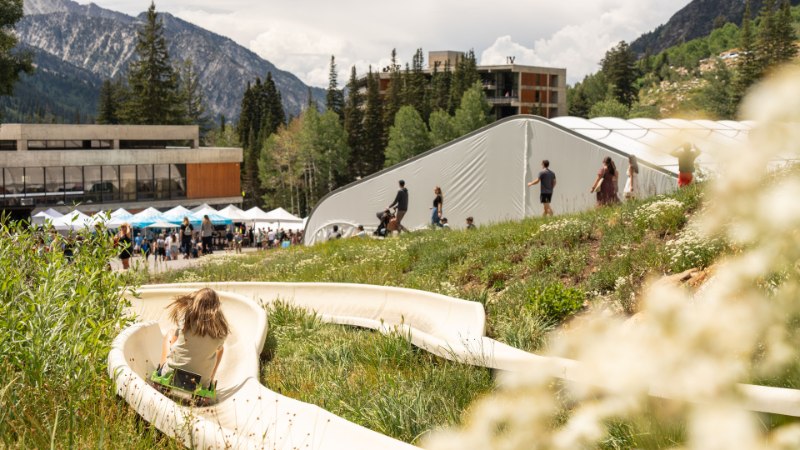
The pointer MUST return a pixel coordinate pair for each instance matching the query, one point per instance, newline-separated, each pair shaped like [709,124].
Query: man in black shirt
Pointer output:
[548,180]
[401,201]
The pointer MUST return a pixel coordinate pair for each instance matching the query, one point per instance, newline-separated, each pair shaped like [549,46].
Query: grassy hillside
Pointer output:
[531,276]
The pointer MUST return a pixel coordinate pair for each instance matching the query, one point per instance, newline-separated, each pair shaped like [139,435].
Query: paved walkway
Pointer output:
[178,264]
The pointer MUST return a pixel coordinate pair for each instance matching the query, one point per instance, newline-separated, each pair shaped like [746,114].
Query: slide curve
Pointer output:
[249,415]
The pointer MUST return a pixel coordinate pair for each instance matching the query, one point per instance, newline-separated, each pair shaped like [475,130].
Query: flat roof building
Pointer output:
[113,166]
[510,88]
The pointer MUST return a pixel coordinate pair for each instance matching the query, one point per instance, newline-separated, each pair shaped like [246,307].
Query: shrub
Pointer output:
[692,249]
[555,302]
[570,231]
[663,216]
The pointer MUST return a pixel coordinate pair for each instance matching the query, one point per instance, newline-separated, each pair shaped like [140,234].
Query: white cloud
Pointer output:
[300,36]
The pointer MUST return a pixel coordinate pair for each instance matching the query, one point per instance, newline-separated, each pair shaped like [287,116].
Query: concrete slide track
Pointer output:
[249,415]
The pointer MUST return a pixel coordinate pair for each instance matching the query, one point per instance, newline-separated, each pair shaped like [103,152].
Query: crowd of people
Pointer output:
[188,242]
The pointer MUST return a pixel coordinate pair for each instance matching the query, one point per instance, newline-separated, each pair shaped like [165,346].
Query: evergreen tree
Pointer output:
[440,87]
[334,100]
[154,95]
[108,109]
[11,63]
[473,112]
[407,137]
[374,132]
[393,99]
[192,97]
[785,34]
[247,114]
[767,35]
[354,126]
[442,128]
[748,67]
[619,68]
[416,85]
[465,76]
[610,107]
[274,115]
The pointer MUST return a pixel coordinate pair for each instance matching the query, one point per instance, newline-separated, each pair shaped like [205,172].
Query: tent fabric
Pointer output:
[484,175]
[74,220]
[234,213]
[257,214]
[281,215]
[204,206]
[144,218]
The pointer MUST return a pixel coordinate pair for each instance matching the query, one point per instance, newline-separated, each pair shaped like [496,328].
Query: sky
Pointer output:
[301,35]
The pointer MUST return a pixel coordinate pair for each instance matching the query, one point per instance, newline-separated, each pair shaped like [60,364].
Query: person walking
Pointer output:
[632,185]
[206,231]
[436,214]
[401,202]
[547,178]
[606,183]
[686,156]
[186,238]
[123,240]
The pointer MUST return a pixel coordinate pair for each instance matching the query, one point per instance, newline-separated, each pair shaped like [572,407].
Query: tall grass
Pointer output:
[58,316]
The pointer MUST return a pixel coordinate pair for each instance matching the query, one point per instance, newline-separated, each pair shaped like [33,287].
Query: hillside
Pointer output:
[101,42]
[697,19]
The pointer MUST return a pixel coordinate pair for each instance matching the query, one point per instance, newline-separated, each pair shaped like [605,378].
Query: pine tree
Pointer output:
[393,99]
[767,35]
[785,34]
[748,68]
[619,68]
[11,63]
[717,97]
[334,100]
[354,126]
[154,96]
[274,115]
[107,110]
[374,132]
[192,97]
[417,84]
[407,137]
[440,88]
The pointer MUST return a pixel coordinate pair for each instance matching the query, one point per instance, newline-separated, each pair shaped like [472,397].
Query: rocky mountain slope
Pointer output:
[695,20]
[102,42]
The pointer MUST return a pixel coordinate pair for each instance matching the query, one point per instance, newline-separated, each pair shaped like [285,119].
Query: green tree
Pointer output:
[610,107]
[374,132]
[748,66]
[785,34]
[768,38]
[416,85]
[465,75]
[585,94]
[394,94]
[334,99]
[11,63]
[619,69]
[473,112]
[440,87]
[442,128]
[193,99]
[280,168]
[324,155]
[717,97]
[154,92]
[407,137]
[108,108]
[354,126]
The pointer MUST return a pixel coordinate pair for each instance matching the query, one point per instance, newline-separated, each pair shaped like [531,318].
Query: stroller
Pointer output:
[387,225]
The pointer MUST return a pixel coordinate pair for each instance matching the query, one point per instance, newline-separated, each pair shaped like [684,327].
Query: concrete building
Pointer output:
[112,166]
[511,88]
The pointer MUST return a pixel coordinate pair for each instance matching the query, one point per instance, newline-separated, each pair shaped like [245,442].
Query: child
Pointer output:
[196,345]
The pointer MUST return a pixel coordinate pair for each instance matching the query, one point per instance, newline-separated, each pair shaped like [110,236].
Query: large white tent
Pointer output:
[74,220]
[281,215]
[41,217]
[484,173]
[234,213]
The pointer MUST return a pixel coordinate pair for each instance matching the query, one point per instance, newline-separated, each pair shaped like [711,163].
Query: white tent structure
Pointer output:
[49,214]
[234,213]
[484,173]
[204,206]
[176,214]
[74,220]
[283,216]
[121,213]
[144,218]
[257,214]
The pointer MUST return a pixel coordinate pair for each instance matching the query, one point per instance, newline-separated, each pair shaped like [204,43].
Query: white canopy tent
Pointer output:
[204,206]
[282,216]
[49,214]
[234,213]
[74,220]
[256,214]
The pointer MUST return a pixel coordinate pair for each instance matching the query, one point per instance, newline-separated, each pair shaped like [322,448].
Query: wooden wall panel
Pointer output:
[529,79]
[213,180]
[528,95]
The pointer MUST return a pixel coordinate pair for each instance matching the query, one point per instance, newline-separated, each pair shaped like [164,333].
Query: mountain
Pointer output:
[101,42]
[697,19]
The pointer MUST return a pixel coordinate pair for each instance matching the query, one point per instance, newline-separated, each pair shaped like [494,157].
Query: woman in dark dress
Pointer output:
[186,237]
[606,183]
[125,243]
[438,203]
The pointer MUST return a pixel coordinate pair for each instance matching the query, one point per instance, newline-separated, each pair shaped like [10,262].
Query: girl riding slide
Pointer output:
[195,346]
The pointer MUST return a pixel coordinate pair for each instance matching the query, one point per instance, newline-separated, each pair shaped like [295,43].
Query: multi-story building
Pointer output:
[510,88]
[112,166]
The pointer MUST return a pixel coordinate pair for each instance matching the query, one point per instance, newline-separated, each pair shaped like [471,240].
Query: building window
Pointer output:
[13,179]
[161,181]
[93,184]
[177,173]
[127,183]
[54,184]
[73,184]
[37,145]
[111,183]
[8,146]
[100,144]
[144,182]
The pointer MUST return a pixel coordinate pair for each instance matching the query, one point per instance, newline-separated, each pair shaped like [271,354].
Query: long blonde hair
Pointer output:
[201,312]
